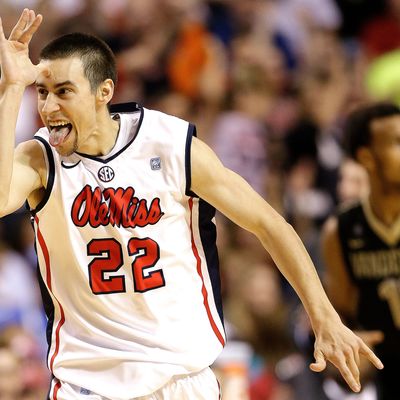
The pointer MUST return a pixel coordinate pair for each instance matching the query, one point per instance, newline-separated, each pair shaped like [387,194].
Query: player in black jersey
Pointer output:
[361,245]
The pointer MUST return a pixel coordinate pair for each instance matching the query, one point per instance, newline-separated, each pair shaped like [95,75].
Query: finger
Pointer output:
[350,375]
[319,364]
[352,381]
[2,37]
[31,17]
[20,25]
[354,370]
[29,32]
[357,357]
[367,352]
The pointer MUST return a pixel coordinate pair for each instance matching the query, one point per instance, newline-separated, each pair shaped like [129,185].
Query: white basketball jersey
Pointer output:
[128,262]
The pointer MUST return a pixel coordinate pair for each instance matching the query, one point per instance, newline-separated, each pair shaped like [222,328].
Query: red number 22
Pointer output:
[145,253]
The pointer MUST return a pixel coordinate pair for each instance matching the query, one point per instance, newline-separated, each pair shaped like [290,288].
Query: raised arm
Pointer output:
[233,196]
[20,171]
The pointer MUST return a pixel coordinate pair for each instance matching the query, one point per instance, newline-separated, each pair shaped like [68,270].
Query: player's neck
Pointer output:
[386,207]
[103,137]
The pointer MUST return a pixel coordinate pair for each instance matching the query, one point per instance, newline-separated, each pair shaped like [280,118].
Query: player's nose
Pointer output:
[50,105]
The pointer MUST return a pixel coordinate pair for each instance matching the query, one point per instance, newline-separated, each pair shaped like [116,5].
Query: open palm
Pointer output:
[16,66]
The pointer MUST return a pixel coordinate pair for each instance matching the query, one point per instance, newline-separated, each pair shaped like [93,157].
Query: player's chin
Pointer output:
[63,151]
[66,149]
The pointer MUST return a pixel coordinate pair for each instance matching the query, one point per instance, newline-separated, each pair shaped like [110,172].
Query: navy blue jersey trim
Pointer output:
[47,302]
[188,168]
[48,306]
[208,236]
[46,298]
[50,179]
[124,107]
[69,166]
[207,228]
[120,108]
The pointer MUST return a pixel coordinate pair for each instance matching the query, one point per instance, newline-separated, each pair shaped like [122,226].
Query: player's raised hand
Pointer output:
[343,348]
[16,66]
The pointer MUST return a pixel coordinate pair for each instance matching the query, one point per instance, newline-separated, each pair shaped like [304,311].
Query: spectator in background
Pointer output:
[10,375]
[353,182]
[355,15]
[382,81]
[381,34]
[293,22]
[379,57]
[312,146]
[20,302]
[240,135]
[23,375]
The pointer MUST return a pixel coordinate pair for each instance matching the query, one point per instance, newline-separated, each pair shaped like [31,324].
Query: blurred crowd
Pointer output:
[268,84]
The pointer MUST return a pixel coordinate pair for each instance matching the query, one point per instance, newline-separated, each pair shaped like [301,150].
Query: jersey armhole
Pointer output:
[188,169]
[49,158]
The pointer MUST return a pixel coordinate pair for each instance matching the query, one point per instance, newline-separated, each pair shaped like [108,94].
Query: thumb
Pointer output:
[320,364]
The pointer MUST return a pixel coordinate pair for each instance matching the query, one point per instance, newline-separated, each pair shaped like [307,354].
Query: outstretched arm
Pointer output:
[18,175]
[233,196]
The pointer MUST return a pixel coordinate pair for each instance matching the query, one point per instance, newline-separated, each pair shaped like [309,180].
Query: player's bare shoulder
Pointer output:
[330,226]
[330,237]
[31,154]
[31,161]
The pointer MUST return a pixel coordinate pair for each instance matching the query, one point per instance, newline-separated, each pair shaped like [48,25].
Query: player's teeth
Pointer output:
[59,123]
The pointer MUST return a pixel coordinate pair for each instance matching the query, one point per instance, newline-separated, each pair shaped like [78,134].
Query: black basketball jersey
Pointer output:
[372,256]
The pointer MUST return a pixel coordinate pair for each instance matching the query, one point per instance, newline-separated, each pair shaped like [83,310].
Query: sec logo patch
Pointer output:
[106,173]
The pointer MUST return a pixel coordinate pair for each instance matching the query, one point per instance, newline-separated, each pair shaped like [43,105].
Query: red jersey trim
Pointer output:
[61,322]
[56,389]
[203,289]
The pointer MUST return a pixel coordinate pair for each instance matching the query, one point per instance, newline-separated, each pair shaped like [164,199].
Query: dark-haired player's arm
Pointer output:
[342,293]
[234,197]
[20,171]
[339,287]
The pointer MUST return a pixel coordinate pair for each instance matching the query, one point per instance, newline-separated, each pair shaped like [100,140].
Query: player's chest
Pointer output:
[146,176]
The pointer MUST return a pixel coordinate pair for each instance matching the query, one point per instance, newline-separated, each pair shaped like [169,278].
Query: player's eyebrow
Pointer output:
[57,85]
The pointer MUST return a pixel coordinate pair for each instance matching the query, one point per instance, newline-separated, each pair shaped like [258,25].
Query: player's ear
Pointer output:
[365,158]
[105,92]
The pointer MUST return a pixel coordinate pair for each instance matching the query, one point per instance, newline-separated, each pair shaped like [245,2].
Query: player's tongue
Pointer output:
[58,134]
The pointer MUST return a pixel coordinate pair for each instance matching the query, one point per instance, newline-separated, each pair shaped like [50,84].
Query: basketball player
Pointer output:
[123,206]
[362,244]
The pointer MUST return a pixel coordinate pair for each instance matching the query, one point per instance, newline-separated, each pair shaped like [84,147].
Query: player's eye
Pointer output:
[42,93]
[63,91]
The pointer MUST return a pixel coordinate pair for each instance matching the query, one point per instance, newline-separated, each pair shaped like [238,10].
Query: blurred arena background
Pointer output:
[269,84]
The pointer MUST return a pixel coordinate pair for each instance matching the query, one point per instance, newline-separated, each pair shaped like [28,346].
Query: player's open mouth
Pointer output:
[59,130]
